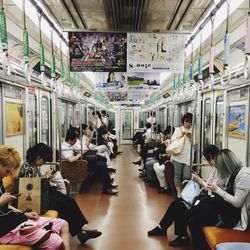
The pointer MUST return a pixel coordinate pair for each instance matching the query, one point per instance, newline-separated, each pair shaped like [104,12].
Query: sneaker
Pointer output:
[157,231]
[88,234]
[180,242]
[164,190]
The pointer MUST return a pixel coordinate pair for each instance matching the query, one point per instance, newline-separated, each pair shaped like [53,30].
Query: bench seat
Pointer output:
[233,246]
[215,235]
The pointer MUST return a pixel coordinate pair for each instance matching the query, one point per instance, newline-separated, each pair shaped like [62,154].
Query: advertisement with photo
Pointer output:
[97,51]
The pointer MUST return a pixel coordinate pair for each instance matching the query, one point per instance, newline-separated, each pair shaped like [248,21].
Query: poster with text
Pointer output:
[111,80]
[14,118]
[97,51]
[236,127]
[138,95]
[155,52]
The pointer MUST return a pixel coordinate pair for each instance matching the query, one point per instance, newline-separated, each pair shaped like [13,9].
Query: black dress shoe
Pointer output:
[180,242]
[109,192]
[113,186]
[113,170]
[137,162]
[157,231]
[88,234]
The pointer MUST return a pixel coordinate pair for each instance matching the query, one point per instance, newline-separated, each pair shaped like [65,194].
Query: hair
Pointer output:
[187,117]
[75,130]
[40,149]
[97,112]
[168,130]
[227,163]
[70,135]
[109,74]
[10,158]
[104,112]
[84,126]
[148,125]
[210,152]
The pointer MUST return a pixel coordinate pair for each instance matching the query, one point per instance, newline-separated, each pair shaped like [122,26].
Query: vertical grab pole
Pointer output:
[247,47]
[193,125]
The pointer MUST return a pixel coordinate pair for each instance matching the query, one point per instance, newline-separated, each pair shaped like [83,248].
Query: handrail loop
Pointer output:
[6,63]
[226,72]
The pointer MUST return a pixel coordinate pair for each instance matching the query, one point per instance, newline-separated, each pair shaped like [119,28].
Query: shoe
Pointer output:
[164,190]
[180,242]
[109,192]
[119,152]
[157,231]
[113,170]
[113,186]
[88,234]
[137,162]
[112,180]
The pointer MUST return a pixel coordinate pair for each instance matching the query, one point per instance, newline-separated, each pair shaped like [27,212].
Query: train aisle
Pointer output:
[125,219]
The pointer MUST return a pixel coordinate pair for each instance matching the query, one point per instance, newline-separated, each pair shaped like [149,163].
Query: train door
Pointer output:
[127,126]
[218,119]
[236,124]
[13,104]
[162,118]
[45,120]
[32,116]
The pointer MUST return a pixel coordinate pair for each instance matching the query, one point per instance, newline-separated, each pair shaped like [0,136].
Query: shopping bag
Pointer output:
[176,146]
[33,194]
[190,191]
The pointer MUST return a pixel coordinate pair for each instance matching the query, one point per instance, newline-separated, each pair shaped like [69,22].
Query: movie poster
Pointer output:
[155,52]
[236,126]
[98,51]
[111,80]
[14,119]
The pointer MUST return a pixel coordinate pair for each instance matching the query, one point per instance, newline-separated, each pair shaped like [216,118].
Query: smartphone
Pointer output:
[17,195]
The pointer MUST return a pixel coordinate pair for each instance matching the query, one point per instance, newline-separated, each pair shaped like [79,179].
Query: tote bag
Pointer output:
[190,191]
[176,146]
[33,194]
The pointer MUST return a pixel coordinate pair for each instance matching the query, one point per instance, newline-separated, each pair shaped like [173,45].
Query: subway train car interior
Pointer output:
[124,124]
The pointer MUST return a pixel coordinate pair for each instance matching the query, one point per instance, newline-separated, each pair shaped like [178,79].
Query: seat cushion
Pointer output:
[51,213]
[215,235]
[14,247]
[233,246]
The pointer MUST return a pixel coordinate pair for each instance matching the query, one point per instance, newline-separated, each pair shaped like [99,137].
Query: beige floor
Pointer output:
[125,219]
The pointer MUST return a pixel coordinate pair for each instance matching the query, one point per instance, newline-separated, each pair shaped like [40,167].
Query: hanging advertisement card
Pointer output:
[111,80]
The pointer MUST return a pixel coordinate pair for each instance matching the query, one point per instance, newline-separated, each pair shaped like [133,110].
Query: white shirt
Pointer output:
[77,146]
[184,155]
[66,153]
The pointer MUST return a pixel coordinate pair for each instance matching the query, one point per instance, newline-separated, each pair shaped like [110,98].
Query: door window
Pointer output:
[32,120]
[207,123]
[219,122]
[45,120]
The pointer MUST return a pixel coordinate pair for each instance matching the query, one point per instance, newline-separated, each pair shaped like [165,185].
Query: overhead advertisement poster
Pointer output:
[111,80]
[155,52]
[236,127]
[97,51]
[117,96]
[143,80]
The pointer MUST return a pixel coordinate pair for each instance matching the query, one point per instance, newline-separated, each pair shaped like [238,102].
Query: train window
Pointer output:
[127,120]
[63,119]
[45,120]
[207,123]
[71,114]
[219,122]
[32,120]
[141,120]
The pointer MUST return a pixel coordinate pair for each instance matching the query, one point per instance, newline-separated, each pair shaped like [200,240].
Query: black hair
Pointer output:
[168,130]
[40,149]
[108,79]
[84,126]
[187,117]
[71,135]
[75,130]
[210,152]
[104,112]
[148,125]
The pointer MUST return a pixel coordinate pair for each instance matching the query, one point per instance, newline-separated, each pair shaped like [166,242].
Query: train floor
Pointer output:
[125,219]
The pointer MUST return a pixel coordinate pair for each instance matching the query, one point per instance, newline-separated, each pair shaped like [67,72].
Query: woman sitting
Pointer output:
[229,208]
[66,206]
[13,220]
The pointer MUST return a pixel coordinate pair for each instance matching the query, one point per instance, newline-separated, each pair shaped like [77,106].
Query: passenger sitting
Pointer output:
[65,205]
[13,220]
[96,164]
[178,210]
[231,207]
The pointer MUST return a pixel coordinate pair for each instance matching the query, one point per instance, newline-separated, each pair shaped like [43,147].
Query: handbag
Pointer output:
[190,191]
[34,195]
[176,146]
[56,180]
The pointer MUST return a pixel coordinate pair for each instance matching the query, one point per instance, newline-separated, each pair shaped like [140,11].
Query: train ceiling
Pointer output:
[127,15]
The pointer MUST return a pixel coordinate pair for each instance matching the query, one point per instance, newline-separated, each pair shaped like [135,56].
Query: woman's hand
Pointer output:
[6,198]
[188,135]
[213,187]
[48,173]
[31,215]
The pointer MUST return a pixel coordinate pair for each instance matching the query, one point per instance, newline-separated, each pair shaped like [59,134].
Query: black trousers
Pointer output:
[68,210]
[177,212]
[206,214]
[98,166]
